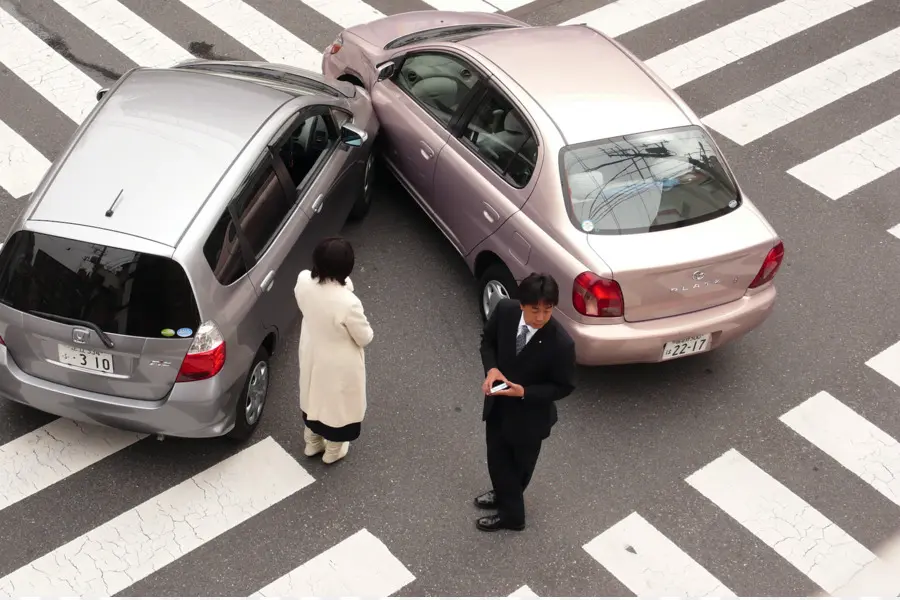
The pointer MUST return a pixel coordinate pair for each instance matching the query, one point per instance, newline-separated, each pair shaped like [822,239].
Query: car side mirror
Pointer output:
[384,71]
[101,93]
[353,136]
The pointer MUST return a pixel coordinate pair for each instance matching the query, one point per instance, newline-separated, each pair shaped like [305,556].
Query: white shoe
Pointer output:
[335,451]
[314,443]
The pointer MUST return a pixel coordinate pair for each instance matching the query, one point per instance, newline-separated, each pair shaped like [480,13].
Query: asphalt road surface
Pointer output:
[766,468]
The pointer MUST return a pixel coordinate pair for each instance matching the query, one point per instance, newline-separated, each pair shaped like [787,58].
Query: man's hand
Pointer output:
[514,390]
[492,376]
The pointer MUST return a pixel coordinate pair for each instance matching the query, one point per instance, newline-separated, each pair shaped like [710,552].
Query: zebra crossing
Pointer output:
[648,563]
[166,527]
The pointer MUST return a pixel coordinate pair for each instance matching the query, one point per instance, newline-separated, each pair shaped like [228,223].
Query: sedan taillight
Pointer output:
[769,267]
[594,296]
[336,45]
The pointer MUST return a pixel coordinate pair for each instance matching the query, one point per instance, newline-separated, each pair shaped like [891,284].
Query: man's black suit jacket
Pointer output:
[545,368]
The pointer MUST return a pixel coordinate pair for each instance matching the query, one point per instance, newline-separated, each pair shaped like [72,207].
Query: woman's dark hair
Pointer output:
[538,288]
[333,259]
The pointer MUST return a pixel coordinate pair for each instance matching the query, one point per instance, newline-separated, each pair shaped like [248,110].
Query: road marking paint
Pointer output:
[743,37]
[461,5]
[124,550]
[895,231]
[802,94]
[622,16]
[49,454]
[346,13]
[523,592]
[21,165]
[853,164]
[361,565]
[887,362]
[847,437]
[63,85]
[127,32]
[795,530]
[650,564]
[257,32]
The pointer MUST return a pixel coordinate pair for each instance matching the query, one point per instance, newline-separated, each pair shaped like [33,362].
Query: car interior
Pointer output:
[304,147]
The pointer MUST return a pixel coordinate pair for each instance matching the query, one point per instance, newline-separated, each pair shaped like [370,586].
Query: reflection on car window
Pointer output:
[438,81]
[499,134]
[262,209]
[647,182]
[223,251]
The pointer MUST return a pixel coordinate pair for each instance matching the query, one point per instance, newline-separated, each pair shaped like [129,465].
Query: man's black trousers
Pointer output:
[510,466]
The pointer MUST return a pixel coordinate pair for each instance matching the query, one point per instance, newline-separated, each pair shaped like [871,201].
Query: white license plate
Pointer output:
[686,347]
[86,359]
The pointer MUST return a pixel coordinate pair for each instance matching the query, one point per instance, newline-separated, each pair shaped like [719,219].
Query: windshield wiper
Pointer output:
[103,337]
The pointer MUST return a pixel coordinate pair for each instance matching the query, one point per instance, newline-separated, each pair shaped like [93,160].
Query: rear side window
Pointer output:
[646,182]
[223,251]
[120,291]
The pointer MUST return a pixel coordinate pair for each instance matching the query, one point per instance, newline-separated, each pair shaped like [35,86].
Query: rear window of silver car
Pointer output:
[120,291]
[646,182]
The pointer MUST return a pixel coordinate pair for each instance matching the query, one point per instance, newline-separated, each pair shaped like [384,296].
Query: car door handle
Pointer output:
[267,281]
[317,205]
[427,153]
[489,213]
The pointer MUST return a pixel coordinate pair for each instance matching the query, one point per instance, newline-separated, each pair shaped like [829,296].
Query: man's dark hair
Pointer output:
[333,259]
[538,288]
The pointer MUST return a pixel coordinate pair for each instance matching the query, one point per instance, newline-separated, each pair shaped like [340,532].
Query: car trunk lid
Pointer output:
[95,318]
[683,270]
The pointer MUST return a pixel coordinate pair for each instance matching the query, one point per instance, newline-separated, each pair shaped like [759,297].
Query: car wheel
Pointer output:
[364,201]
[253,398]
[496,284]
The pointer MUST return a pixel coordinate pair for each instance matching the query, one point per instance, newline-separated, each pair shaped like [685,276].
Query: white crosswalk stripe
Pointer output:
[638,551]
[361,565]
[127,32]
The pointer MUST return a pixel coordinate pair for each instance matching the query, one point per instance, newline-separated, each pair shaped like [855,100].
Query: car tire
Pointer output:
[495,284]
[247,417]
[364,201]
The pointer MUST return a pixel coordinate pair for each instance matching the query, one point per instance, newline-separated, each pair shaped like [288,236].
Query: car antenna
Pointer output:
[109,211]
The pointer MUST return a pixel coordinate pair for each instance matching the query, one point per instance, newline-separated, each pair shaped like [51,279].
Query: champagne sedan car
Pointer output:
[554,149]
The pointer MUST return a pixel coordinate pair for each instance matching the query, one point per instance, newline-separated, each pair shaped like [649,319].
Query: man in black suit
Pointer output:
[525,348]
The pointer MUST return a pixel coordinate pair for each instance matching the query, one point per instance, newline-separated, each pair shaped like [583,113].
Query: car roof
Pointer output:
[155,151]
[584,82]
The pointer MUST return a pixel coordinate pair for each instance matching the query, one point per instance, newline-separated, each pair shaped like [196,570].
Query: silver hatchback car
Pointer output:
[150,278]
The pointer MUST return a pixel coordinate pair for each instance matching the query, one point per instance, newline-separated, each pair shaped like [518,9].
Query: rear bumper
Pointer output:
[626,343]
[192,410]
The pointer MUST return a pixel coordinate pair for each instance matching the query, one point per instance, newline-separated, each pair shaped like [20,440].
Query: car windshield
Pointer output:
[121,292]
[646,182]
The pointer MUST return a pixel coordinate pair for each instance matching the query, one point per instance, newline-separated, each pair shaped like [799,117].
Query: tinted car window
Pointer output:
[262,208]
[499,134]
[438,81]
[121,291]
[223,251]
[646,182]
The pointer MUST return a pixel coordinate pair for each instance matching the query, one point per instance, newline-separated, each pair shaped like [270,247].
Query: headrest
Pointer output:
[512,124]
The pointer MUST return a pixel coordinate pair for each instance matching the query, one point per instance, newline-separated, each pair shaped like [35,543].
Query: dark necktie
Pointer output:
[520,339]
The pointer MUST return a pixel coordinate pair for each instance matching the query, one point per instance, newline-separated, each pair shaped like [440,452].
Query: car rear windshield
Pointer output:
[120,291]
[646,182]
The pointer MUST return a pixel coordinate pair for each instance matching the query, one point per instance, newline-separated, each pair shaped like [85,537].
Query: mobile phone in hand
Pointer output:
[499,386]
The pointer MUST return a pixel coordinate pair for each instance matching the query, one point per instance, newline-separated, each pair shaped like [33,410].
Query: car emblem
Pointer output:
[698,275]
[81,336]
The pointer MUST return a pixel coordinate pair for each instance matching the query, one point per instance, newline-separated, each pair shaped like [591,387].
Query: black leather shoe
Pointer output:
[495,523]
[486,500]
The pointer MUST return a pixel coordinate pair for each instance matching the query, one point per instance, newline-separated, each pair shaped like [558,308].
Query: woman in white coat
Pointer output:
[333,333]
